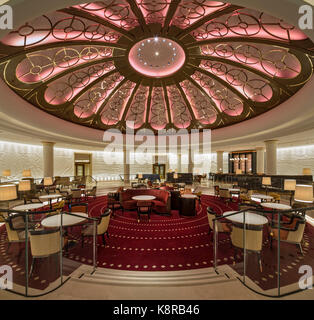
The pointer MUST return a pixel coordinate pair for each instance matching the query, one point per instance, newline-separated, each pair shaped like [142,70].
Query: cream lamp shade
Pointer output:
[27,173]
[140,176]
[8,192]
[175,176]
[266,181]
[25,185]
[6,173]
[289,184]
[307,171]
[48,181]
[303,193]
[238,171]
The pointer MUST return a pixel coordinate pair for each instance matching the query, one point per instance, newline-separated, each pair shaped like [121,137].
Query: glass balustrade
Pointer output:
[266,250]
[40,250]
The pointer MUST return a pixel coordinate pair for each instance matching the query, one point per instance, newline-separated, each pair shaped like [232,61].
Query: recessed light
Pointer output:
[156,53]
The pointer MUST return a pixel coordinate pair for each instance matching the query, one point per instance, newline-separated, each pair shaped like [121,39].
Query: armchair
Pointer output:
[291,231]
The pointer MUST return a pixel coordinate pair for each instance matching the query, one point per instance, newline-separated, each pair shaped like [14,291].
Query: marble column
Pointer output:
[48,158]
[271,156]
[260,159]
[220,161]
[126,163]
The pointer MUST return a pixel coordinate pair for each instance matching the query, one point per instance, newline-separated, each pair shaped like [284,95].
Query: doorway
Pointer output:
[159,169]
[82,164]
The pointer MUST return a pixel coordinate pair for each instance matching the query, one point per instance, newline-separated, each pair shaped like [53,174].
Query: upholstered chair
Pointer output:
[291,231]
[92,193]
[45,243]
[221,227]
[101,228]
[253,240]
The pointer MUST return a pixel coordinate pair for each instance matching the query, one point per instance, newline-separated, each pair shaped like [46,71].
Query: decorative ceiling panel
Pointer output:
[156,64]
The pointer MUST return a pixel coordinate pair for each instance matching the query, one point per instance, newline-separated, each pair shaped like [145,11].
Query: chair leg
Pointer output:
[32,267]
[271,241]
[9,245]
[107,233]
[300,247]
[260,261]
[103,239]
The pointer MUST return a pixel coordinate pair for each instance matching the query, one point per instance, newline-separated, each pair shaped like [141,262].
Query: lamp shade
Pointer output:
[307,171]
[266,181]
[8,192]
[175,176]
[140,176]
[303,193]
[27,173]
[6,173]
[25,185]
[289,184]
[238,171]
[48,181]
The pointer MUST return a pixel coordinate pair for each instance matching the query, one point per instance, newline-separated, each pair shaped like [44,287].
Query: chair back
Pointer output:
[93,191]
[253,237]
[102,226]
[76,193]
[211,215]
[13,224]
[45,242]
[80,207]
[224,193]
[297,235]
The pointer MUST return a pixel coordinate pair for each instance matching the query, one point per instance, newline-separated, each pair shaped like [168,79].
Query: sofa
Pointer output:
[161,204]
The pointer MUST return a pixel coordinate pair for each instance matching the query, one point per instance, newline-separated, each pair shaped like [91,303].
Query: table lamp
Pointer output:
[303,193]
[24,186]
[7,193]
[307,172]
[6,173]
[27,173]
[47,182]
[289,185]
[266,181]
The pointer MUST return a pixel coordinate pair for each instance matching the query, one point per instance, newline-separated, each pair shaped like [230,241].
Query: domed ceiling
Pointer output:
[156,64]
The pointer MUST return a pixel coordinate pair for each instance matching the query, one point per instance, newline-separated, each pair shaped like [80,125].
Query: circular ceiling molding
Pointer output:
[143,64]
[157,57]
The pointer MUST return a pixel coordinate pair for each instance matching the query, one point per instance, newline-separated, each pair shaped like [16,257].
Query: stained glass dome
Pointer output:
[156,64]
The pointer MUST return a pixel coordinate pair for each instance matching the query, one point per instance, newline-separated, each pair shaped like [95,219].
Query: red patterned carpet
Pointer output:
[166,244]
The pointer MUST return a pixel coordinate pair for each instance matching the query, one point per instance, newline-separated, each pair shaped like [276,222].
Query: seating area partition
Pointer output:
[36,246]
[264,248]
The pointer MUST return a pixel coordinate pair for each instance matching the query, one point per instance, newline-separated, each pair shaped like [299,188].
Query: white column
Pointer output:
[220,161]
[260,160]
[191,163]
[48,158]
[271,156]
[179,163]
[126,163]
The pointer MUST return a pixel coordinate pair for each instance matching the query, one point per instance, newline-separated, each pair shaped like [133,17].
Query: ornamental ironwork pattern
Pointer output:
[74,64]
